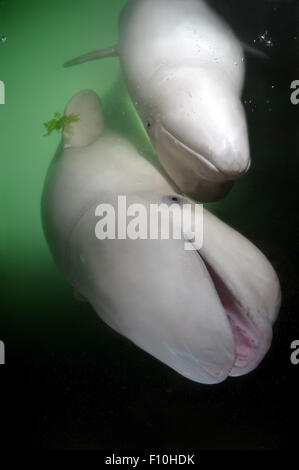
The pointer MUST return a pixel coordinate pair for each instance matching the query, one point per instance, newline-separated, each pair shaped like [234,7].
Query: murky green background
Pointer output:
[82,385]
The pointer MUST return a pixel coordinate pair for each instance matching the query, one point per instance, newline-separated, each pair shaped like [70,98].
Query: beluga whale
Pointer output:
[206,312]
[184,70]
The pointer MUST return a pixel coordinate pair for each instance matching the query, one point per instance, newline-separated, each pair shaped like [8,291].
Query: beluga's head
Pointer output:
[197,125]
[184,70]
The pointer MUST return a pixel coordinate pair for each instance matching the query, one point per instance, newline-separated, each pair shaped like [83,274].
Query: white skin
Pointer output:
[184,70]
[208,313]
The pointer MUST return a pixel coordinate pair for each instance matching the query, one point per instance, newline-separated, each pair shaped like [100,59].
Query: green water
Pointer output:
[39,315]
[41,36]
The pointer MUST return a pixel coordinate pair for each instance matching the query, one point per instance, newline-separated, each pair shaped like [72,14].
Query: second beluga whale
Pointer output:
[184,70]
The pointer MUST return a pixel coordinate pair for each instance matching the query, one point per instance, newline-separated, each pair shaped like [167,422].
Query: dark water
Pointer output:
[72,382]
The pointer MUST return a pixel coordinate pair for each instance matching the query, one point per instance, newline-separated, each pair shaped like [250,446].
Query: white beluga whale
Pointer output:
[184,70]
[208,312]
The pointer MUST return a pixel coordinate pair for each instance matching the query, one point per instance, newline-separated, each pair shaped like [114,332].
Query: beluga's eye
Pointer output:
[172,199]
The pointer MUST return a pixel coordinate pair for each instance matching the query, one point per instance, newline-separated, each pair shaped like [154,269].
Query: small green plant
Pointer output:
[60,121]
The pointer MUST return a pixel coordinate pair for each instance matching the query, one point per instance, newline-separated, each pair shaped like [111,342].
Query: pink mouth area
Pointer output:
[247,338]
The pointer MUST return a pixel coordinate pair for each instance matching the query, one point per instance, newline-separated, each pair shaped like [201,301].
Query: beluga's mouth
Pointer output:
[248,340]
[247,288]
[190,170]
[211,170]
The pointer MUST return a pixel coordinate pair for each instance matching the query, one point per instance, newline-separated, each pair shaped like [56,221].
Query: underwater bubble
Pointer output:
[265,39]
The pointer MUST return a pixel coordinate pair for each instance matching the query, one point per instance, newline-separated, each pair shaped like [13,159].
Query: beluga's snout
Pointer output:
[199,131]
